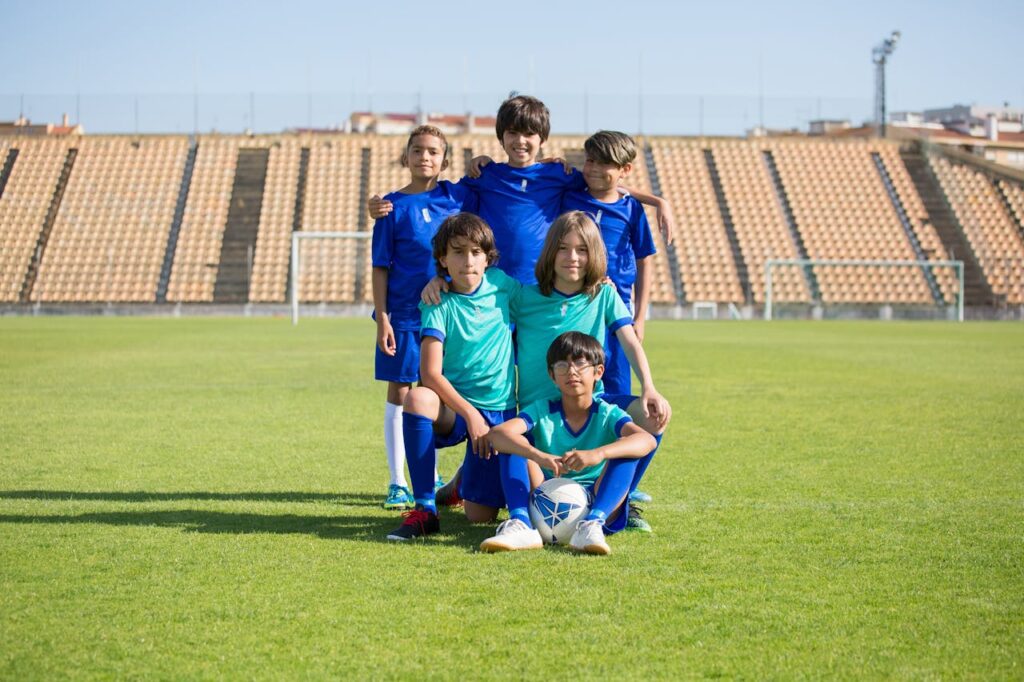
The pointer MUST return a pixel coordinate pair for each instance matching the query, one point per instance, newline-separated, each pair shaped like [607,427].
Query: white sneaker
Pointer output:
[512,535]
[589,538]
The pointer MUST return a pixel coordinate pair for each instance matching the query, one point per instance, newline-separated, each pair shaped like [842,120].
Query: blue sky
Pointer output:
[699,67]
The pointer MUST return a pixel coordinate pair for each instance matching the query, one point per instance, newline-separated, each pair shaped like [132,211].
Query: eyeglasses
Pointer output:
[562,367]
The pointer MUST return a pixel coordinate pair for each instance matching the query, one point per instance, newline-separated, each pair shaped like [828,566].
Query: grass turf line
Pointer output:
[199,498]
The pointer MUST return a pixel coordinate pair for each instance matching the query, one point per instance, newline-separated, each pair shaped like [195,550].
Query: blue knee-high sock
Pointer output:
[614,486]
[515,481]
[643,463]
[418,432]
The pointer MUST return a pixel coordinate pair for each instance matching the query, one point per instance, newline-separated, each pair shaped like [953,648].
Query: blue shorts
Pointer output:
[617,373]
[481,478]
[622,400]
[404,366]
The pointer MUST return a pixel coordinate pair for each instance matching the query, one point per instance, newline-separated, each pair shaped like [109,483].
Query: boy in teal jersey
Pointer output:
[570,296]
[577,436]
[467,374]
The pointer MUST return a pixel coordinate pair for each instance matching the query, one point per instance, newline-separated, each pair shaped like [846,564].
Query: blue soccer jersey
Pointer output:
[477,338]
[551,433]
[401,243]
[540,319]
[520,204]
[625,231]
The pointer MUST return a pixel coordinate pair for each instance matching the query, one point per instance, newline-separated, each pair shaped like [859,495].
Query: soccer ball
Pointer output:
[556,506]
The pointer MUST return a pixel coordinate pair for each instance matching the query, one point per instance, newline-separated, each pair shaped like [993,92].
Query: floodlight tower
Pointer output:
[879,55]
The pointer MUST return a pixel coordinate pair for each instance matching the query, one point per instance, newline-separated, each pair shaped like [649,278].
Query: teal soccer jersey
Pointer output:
[474,329]
[540,319]
[546,424]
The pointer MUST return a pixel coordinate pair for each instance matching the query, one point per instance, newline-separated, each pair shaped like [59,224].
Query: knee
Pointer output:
[478,513]
[651,424]
[420,400]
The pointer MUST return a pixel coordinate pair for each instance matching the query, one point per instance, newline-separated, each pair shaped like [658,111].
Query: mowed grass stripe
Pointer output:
[199,498]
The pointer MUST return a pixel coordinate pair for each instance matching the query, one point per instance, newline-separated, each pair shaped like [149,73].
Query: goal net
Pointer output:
[329,267]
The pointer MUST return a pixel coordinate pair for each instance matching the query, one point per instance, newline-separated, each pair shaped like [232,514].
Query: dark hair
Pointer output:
[575,346]
[470,226]
[426,130]
[524,114]
[610,146]
[597,257]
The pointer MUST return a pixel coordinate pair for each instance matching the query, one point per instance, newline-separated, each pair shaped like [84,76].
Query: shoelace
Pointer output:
[511,526]
[415,517]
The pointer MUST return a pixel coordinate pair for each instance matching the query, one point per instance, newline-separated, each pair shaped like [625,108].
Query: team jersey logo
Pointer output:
[522,187]
[565,308]
[426,214]
[597,218]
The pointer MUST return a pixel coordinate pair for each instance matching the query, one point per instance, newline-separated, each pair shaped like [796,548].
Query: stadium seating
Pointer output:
[110,235]
[706,265]
[23,207]
[843,212]
[760,228]
[993,234]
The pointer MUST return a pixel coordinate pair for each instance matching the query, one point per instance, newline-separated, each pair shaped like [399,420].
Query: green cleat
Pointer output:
[398,497]
[635,521]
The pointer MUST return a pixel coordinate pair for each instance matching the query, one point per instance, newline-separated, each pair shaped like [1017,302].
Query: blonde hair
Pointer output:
[597,259]
[426,130]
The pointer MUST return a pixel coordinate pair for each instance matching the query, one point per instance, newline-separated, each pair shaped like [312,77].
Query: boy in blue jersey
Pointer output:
[521,198]
[402,265]
[467,374]
[626,235]
[575,436]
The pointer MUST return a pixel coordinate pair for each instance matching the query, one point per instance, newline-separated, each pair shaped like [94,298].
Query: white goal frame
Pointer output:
[810,262]
[297,236]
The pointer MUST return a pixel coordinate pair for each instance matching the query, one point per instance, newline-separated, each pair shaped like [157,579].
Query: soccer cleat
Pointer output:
[439,483]
[589,538]
[639,496]
[512,535]
[448,494]
[398,497]
[636,522]
[417,523]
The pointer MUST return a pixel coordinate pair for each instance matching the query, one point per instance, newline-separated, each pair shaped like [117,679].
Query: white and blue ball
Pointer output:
[556,506]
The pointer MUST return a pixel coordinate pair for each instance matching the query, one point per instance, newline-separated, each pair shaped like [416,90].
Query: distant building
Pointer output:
[993,133]
[402,124]
[827,127]
[23,126]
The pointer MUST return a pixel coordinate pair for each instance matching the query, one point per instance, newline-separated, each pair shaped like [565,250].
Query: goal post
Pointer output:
[296,261]
[926,266]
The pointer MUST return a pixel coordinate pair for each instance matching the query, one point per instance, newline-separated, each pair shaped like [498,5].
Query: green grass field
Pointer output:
[198,498]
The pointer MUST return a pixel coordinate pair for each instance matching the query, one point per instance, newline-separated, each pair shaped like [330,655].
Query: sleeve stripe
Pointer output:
[436,333]
[620,424]
[619,324]
[526,418]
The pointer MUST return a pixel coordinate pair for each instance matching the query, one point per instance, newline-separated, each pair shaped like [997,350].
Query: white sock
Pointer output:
[394,443]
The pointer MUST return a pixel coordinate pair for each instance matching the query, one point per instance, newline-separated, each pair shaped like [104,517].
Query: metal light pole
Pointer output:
[879,55]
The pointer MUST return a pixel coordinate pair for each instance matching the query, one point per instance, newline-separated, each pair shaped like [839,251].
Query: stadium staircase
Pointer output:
[730,229]
[300,205]
[1000,192]
[673,257]
[179,214]
[44,234]
[976,288]
[362,286]
[239,245]
[8,168]
[908,228]
[794,229]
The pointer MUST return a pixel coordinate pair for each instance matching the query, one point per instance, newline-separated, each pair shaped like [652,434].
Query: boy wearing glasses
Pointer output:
[576,436]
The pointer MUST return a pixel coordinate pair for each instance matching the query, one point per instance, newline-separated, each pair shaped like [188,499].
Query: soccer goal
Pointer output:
[885,283]
[331,272]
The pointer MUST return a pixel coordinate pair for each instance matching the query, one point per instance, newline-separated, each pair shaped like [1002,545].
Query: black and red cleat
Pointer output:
[448,494]
[417,523]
